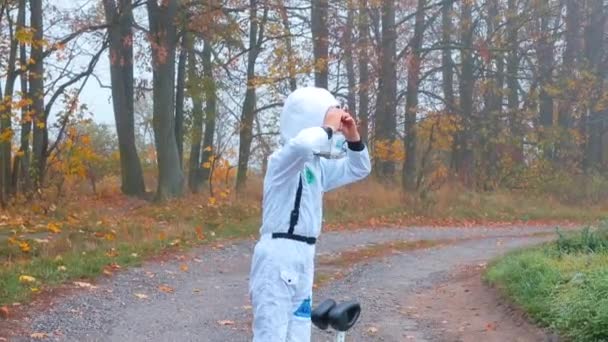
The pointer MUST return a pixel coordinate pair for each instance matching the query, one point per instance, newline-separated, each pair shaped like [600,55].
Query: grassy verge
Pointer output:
[562,285]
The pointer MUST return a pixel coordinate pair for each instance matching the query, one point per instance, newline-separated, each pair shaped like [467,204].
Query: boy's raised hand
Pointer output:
[349,128]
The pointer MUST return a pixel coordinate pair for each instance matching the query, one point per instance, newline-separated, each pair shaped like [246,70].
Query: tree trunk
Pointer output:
[121,74]
[544,52]
[364,79]
[163,31]
[594,51]
[21,161]
[6,115]
[493,98]
[411,101]
[447,65]
[572,54]
[293,82]
[210,110]
[320,41]
[196,94]
[36,94]
[385,121]
[512,72]
[248,113]
[464,160]
[179,101]
[349,48]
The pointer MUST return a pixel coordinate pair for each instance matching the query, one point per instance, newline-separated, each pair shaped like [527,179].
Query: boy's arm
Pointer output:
[290,159]
[339,172]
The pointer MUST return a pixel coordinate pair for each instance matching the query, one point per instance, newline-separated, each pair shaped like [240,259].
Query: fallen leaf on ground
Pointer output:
[4,312]
[166,289]
[54,228]
[372,330]
[141,296]
[25,247]
[196,291]
[38,336]
[112,253]
[62,268]
[247,307]
[225,322]
[490,327]
[183,267]
[25,279]
[114,266]
[84,285]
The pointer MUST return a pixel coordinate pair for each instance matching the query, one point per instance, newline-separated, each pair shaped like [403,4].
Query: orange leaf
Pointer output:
[166,289]
[4,313]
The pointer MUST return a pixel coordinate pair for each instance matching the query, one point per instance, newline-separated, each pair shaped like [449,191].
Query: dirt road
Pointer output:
[416,294]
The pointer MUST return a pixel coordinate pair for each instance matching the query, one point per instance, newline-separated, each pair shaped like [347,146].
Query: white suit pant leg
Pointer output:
[271,301]
[281,291]
[300,324]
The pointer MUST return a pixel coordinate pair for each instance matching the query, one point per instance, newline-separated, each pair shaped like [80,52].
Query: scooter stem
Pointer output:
[341,336]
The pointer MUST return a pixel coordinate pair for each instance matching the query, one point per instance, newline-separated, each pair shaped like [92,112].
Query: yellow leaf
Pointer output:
[40,125]
[24,246]
[54,228]
[110,236]
[212,201]
[24,35]
[25,279]
[35,290]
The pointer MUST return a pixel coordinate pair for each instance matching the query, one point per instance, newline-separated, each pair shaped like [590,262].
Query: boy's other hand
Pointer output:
[349,128]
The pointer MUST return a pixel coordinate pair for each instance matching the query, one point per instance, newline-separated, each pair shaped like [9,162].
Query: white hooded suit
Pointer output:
[283,260]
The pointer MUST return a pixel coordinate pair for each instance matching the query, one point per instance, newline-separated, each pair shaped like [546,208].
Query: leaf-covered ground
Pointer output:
[204,292]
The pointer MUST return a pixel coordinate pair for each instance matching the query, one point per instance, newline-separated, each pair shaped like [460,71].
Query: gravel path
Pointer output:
[209,301]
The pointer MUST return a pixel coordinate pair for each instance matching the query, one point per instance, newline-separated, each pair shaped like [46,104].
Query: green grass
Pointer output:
[70,266]
[88,258]
[562,285]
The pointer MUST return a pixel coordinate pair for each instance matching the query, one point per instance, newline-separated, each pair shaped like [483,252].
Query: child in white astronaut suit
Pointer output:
[298,174]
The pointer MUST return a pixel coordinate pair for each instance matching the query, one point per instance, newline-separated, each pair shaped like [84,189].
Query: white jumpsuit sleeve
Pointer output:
[339,172]
[290,159]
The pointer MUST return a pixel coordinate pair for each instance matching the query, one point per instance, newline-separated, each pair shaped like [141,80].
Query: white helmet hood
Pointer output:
[304,108]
